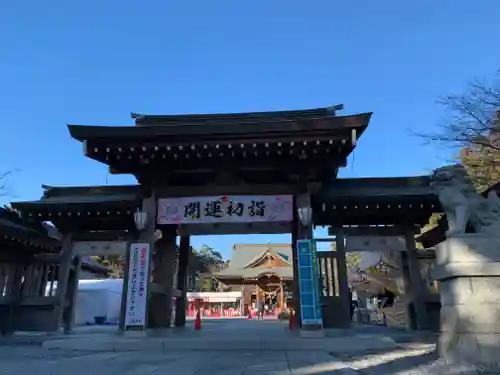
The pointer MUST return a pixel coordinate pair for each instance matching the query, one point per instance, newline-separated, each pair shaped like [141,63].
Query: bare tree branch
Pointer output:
[472,123]
[4,182]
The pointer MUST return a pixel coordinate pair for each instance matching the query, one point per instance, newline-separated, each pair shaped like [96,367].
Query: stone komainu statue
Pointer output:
[463,205]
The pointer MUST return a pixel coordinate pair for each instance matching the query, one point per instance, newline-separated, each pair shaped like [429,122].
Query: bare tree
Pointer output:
[3,182]
[473,125]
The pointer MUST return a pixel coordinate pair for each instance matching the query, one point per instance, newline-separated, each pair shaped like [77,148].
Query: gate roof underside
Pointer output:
[265,147]
[15,235]
[85,208]
[375,201]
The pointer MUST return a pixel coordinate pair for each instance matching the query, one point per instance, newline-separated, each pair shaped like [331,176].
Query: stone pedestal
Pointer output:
[468,269]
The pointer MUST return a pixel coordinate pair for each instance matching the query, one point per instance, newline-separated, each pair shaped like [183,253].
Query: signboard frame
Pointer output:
[137,285]
[102,248]
[225,209]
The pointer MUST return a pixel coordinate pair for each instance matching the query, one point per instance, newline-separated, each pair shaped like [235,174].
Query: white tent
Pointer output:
[97,299]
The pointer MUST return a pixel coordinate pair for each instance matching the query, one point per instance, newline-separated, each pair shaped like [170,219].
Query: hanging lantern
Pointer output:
[305,215]
[140,219]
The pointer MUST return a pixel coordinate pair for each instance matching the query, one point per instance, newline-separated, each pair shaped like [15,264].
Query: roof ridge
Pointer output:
[239,114]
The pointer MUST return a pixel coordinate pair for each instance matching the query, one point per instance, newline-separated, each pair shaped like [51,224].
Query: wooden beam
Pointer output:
[47,258]
[234,228]
[216,190]
[111,235]
[374,231]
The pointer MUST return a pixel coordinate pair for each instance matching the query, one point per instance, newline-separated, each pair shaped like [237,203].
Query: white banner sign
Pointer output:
[102,248]
[375,243]
[137,293]
[225,209]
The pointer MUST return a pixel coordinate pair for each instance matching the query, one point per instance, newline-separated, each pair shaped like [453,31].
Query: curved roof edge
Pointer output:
[228,128]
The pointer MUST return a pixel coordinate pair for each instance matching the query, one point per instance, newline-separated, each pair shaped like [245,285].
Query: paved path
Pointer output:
[410,360]
[410,356]
[28,360]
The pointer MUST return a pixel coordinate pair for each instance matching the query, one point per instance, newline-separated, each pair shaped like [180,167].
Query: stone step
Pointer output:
[116,343]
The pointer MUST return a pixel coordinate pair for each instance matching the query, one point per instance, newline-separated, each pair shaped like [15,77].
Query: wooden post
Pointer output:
[282,296]
[417,284]
[69,311]
[160,308]
[180,306]
[62,281]
[16,271]
[342,279]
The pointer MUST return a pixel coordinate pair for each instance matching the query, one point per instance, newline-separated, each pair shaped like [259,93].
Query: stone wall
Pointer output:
[468,268]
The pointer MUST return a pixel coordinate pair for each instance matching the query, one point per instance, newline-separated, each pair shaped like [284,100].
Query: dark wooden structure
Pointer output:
[81,214]
[384,207]
[294,153]
[28,268]
[30,259]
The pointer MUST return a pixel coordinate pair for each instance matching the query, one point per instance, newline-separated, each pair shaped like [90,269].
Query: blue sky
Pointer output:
[93,62]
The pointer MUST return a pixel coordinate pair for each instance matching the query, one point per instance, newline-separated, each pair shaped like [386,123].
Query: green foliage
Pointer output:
[482,164]
[205,260]
[203,263]
[352,259]
[116,264]
[210,256]
[206,284]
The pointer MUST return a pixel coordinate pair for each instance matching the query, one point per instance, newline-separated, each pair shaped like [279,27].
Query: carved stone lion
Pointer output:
[462,204]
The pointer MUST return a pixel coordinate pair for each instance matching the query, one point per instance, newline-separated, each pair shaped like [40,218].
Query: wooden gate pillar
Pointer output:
[71,295]
[63,274]
[160,302]
[412,272]
[180,306]
[342,279]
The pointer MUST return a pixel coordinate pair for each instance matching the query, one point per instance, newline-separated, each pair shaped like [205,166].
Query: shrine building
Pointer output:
[261,272]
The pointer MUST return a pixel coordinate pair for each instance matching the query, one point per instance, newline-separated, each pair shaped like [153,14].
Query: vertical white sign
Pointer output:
[137,293]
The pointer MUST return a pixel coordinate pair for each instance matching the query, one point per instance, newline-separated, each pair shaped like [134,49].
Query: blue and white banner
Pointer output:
[310,304]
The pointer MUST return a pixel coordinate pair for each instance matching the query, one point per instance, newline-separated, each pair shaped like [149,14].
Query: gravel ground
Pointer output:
[410,359]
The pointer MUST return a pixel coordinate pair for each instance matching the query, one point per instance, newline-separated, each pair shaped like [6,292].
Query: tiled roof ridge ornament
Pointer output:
[334,108]
[462,204]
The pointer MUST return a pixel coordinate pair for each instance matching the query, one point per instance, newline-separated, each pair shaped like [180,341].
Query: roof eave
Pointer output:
[85,132]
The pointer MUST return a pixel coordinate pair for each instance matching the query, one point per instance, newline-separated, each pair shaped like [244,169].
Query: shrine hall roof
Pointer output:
[245,254]
[253,273]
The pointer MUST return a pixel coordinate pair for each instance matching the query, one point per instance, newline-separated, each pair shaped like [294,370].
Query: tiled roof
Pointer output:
[244,254]
[252,273]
